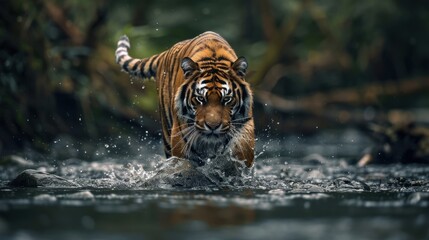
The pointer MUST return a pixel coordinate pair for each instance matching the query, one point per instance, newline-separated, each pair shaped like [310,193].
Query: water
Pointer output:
[300,188]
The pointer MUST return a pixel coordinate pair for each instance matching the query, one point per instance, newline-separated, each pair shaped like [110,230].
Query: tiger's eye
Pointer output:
[227,99]
[200,98]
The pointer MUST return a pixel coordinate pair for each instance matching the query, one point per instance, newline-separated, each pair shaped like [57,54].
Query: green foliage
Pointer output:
[58,74]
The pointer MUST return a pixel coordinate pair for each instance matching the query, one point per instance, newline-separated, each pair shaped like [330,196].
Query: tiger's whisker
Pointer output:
[208,77]
[241,119]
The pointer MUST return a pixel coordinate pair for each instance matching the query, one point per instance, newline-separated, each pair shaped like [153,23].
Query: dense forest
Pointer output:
[313,64]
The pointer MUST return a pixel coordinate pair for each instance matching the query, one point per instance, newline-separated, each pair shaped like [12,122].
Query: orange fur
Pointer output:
[204,101]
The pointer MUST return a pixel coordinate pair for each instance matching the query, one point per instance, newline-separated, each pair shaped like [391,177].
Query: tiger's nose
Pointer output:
[213,125]
[213,121]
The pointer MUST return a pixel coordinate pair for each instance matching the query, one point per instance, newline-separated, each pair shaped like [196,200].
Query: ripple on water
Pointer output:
[290,192]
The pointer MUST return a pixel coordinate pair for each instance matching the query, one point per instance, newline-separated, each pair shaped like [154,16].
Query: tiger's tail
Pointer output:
[144,68]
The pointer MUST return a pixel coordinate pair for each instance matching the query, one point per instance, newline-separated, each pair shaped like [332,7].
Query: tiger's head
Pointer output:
[215,101]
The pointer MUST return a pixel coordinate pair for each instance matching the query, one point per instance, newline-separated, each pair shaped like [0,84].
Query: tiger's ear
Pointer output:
[189,66]
[240,66]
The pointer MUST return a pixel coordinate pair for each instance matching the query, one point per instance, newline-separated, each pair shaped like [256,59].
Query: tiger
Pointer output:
[205,103]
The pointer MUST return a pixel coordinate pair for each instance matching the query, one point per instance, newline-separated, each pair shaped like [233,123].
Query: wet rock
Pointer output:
[397,143]
[44,199]
[35,178]
[307,188]
[313,188]
[177,172]
[315,174]
[82,195]
[346,184]
[280,192]
[418,198]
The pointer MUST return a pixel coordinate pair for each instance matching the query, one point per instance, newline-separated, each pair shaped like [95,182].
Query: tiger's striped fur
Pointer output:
[206,106]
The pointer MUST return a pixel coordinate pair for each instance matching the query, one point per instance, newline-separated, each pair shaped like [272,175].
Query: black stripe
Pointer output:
[223,58]
[136,65]
[205,59]
[223,67]
[151,71]
[210,47]
[199,49]
[123,45]
[216,40]
[125,65]
[169,119]
[237,94]
[203,47]
[142,64]
[221,81]
[182,97]
[174,69]
[120,58]
[243,97]
[164,113]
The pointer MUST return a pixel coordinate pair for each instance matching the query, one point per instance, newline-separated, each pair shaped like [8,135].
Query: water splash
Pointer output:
[295,183]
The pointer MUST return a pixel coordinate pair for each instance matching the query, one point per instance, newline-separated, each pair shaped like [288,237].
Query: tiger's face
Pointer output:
[213,106]
[215,101]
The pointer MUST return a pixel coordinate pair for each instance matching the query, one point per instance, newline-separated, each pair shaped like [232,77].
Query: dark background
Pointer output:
[313,64]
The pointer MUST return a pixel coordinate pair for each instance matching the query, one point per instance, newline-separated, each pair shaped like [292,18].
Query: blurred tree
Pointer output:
[312,62]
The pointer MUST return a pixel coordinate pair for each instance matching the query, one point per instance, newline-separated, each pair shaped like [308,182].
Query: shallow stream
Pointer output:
[300,188]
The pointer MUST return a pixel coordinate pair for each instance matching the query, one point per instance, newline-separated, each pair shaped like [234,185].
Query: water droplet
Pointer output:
[143,87]
[106,145]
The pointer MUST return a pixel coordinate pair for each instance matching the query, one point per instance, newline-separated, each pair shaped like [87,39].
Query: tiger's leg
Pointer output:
[244,148]
[177,141]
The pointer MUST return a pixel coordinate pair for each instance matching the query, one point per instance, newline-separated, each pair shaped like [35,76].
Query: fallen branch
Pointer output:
[318,102]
